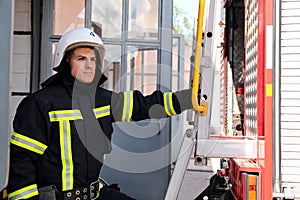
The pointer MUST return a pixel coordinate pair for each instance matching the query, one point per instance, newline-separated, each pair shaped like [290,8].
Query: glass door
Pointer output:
[137,35]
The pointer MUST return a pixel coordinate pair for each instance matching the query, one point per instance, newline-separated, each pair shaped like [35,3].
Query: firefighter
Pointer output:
[62,132]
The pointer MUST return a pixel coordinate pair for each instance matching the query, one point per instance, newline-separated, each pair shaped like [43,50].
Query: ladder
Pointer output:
[189,139]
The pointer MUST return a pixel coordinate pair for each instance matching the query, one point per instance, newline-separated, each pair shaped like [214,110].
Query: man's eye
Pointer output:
[93,59]
[81,58]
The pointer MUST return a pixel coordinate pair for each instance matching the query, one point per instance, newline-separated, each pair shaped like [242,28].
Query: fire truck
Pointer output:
[259,91]
[246,62]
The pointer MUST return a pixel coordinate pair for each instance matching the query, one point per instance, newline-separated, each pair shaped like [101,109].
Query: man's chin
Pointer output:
[85,81]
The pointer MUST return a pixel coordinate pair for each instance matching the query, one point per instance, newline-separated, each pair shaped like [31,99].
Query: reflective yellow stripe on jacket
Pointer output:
[168,104]
[102,111]
[127,106]
[24,193]
[64,117]
[28,143]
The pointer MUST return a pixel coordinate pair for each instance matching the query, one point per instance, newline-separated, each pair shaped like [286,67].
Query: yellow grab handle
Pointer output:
[195,86]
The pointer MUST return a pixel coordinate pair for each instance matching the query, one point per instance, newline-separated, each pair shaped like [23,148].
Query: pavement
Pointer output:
[197,179]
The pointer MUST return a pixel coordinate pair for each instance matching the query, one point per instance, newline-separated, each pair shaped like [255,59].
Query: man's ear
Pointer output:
[67,56]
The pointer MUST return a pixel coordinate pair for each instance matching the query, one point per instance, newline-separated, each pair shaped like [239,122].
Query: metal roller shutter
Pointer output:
[290,94]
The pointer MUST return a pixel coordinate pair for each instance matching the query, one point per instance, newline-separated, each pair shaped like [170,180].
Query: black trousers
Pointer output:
[111,194]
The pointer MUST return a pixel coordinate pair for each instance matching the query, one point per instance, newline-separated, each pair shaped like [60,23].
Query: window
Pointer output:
[141,69]
[107,18]
[143,19]
[112,67]
[73,15]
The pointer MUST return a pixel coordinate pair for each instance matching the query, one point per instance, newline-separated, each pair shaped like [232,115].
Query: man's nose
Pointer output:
[88,62]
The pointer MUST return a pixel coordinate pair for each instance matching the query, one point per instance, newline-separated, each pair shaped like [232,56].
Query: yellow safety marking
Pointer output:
[24,193]
[268,90]
[28,143]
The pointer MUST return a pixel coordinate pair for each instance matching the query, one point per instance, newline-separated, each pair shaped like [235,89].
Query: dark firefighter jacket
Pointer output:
[61,132]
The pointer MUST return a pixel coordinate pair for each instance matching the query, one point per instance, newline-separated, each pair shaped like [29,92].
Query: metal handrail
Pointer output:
[196,74]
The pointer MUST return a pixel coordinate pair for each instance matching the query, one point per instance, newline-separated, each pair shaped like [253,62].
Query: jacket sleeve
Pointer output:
[133,106]
[28,142]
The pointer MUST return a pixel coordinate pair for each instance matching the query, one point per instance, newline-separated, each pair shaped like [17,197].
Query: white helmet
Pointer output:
[76,38]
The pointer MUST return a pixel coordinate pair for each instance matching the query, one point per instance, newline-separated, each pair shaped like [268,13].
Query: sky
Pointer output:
[190,9]
[189,6]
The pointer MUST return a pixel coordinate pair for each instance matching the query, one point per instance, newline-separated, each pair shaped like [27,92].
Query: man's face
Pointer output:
[83,64]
